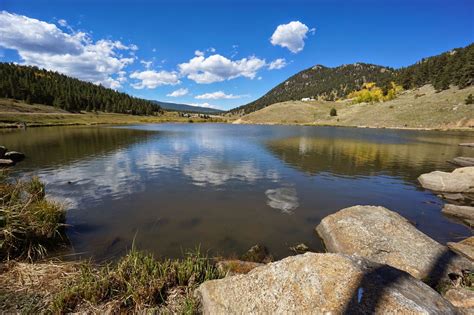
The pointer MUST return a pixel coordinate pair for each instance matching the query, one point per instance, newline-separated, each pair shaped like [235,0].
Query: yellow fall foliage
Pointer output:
[371,93]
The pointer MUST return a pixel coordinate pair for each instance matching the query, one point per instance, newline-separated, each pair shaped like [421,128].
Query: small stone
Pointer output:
[6,162]
[15,156]
[300,248]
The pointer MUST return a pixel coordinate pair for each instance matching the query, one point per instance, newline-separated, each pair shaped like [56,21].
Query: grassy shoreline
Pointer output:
[14,113]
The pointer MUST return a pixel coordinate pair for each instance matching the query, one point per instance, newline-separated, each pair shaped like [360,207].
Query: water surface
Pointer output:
[173,187]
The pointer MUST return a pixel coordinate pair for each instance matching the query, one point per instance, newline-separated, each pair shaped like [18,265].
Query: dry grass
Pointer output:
[31,287]
[421,108]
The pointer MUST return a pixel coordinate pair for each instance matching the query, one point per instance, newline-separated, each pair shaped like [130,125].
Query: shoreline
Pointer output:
[357,126]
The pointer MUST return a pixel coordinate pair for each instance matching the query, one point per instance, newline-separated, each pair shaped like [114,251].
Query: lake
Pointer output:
[171,187]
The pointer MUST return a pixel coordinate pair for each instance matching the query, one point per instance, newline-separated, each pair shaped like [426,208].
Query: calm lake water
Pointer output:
[172,187]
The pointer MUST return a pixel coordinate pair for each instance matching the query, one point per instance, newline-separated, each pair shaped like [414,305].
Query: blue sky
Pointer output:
[223,53]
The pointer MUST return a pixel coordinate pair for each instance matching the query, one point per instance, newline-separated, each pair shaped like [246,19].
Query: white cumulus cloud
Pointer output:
[178,93]
[217,68]
[199,53]
[150,79]
[203,105]
[277,64]
[291,36]
[44,45]
[219,95]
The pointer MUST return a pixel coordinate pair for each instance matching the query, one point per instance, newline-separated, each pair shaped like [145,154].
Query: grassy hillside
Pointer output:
[322,83]
[418,108]
[455,67]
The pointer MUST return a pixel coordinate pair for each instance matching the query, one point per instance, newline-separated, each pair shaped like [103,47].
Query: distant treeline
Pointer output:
[34,85]
[455,67]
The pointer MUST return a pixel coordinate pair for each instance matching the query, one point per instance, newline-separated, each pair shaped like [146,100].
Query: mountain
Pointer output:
[455,67]
[322,82]
[187,108]
[34,85]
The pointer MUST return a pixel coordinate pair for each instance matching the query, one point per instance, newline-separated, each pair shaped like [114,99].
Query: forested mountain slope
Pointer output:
[455,67]
[34,85]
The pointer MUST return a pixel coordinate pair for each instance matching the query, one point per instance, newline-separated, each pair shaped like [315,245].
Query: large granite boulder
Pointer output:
[386,237]
[321,283]
[461,180]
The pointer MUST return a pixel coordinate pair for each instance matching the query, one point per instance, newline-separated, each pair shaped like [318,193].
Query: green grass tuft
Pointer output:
[138,282]
[29,223]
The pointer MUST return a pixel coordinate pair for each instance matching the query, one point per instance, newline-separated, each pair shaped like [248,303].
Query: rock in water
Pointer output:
[464,247]
[3,150]
[467,144]
[300,248]
[386,237]
[15,156]
[6,162]
[461,180]
[463,212]
[462,161]
[257,253]
[321,283]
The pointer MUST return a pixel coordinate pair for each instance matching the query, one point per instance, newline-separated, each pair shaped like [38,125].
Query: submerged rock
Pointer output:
[3,150]
[14,156]
[464,247]
[321,283]
[6,162]
[461,180]
[386,237]
[462,161]
[257,253]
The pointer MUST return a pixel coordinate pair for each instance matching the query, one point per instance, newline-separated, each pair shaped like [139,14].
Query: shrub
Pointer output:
[333,112]
[29,223]
[469,100]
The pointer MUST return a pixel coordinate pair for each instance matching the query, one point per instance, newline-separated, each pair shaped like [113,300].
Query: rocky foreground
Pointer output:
[378,262]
